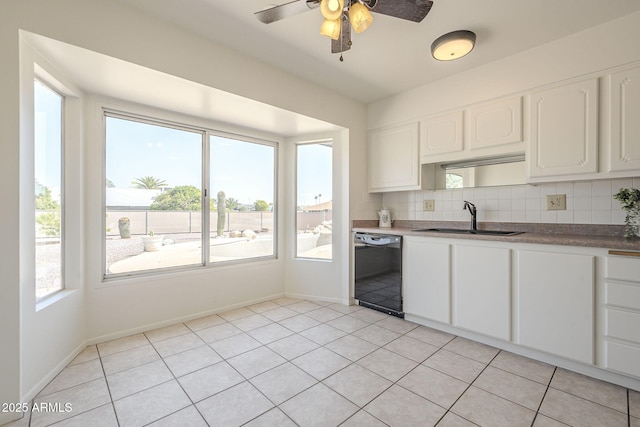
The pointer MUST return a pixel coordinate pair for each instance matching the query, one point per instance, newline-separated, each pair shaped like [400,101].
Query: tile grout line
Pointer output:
[328,349]
[113,406]
[469,386]
[543,396]
[178,382]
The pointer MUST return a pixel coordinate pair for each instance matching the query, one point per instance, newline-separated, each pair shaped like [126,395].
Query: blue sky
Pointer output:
[314,160]
[242,170]
[48,138]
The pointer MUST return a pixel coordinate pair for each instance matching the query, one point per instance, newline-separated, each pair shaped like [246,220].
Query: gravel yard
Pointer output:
[48,256]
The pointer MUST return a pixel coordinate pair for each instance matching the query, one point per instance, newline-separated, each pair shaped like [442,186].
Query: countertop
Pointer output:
[594,236]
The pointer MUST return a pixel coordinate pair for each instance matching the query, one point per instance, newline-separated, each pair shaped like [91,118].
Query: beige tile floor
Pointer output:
[289,362]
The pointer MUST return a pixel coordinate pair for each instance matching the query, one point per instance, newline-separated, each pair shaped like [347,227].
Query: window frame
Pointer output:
[323,141]
[52,84]
[207,131]
[251,140]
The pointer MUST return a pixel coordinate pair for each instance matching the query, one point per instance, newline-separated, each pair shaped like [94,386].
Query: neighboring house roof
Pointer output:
[130,197]
[326,206]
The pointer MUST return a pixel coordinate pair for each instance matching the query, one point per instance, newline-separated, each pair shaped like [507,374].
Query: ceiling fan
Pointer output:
[343,15]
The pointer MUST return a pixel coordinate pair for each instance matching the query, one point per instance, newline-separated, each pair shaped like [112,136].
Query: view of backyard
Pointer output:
[154,201]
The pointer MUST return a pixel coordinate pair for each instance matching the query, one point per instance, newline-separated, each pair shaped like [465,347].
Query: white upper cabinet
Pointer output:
[393,158]
[564,130]
[488,129]
[625,121]
[494,124]
[441,134]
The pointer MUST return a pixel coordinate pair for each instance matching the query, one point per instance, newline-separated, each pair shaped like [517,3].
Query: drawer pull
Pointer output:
[624,253]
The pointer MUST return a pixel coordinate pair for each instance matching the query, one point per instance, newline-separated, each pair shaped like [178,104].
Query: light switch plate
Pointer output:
[556,202]
[429,205]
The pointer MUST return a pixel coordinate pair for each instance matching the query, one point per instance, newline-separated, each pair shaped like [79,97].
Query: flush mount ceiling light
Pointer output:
[340,16]
[453,45]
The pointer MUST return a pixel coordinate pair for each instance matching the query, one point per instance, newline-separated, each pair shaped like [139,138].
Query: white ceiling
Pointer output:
[393,55]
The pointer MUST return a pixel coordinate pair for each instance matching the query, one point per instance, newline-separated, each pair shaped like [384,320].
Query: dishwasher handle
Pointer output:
[377,239]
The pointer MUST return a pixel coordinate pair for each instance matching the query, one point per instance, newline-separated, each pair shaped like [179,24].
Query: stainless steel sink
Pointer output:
[479,232]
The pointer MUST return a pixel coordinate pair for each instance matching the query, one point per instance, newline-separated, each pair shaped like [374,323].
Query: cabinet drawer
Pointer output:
[623,325]
[623,268]
[627,296]
[623,358]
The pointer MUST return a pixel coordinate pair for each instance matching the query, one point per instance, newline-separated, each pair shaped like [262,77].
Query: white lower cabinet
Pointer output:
[426,279]
[622,314]
[577,304]
[482,290]
[555,303]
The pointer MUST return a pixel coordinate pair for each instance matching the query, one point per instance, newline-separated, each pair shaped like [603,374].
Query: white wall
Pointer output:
[125,33]
[10,365]
[324,279]
[606,46]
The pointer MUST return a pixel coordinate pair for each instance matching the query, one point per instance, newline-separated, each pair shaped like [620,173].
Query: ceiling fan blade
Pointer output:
[411,10]
[286,10]
[344,42]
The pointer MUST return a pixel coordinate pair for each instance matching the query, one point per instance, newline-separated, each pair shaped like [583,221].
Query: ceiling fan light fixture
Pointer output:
[360,17]
[453,45]
[331,28]
[331,9]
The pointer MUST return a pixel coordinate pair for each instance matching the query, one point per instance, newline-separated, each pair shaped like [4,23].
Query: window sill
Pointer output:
[54,298]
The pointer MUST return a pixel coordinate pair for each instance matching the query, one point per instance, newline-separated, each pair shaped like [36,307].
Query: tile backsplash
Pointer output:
[588,202]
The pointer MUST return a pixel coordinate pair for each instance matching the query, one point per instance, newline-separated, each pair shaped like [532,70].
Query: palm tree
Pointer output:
[149,183]
[232,203]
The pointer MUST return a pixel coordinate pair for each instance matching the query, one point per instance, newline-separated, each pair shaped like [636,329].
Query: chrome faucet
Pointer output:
[473,211]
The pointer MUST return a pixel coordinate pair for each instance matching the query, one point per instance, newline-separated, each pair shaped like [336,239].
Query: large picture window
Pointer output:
[314,205]
[153,196]
[48,131]
[168,205]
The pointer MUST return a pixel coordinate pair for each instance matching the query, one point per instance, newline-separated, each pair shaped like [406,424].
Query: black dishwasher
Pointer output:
[378,272]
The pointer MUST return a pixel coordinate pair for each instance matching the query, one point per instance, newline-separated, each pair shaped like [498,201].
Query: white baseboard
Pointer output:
[40,385]
[181,319]
[589,370]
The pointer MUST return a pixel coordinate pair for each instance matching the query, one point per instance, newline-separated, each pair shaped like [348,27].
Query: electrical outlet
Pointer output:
[556,202]
[429,205]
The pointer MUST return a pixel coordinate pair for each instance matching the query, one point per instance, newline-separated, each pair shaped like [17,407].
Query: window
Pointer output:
[454,180]
[153,196]
[168,205]
[243,199]
[314,200]
[49,203]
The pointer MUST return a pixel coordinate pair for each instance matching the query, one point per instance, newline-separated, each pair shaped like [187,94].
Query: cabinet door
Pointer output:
[496,123]
[625,126]
[482,283]
[441,134]
[426,279]
[564,130]
[393,158]
[555,297]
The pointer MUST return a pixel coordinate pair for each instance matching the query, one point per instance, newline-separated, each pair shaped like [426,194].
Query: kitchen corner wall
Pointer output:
[588,202]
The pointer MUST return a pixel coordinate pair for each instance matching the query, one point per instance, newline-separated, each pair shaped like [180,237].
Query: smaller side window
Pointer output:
[49,202]
[314,204]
